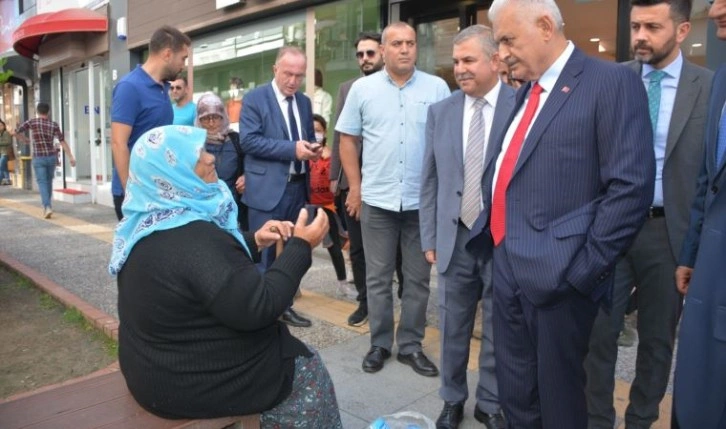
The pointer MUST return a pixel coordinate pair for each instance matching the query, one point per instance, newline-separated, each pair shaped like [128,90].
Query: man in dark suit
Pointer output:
[699,392]
[276,134]
[370,60]
[677,91]
[457,131]
[571,188]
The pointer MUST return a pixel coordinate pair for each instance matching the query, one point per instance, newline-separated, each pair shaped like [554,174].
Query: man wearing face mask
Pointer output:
[370,60]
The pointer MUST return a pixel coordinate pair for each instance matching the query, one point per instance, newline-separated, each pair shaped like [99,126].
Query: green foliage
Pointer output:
[5,75]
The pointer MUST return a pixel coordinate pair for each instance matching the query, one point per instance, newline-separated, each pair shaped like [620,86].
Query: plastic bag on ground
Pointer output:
[403,420]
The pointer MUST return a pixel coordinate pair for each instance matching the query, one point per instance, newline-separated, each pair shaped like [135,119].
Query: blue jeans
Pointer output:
[44,170]
[4,173]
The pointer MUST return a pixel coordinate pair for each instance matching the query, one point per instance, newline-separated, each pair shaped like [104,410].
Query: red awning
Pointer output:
[29,35]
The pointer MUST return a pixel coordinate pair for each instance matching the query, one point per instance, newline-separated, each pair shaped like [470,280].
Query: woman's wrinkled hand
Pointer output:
[272,231]
[314,232]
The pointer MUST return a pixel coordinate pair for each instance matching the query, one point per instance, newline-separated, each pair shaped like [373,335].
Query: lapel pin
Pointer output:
[565,89]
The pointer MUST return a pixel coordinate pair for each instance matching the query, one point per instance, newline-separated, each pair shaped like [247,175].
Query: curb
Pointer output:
[97,318]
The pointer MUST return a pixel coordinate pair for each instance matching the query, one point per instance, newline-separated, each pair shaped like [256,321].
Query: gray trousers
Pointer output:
[466,280]
[649,265]
[382,230]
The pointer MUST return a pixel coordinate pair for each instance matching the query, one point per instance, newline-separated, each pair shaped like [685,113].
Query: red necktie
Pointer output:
[499,209]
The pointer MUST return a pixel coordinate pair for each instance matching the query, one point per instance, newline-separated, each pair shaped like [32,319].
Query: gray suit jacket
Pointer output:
[684,148]
[336,168]
[442,174]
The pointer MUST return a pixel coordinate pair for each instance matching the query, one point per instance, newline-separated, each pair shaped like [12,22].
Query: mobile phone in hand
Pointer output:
[312,212]
[315,147]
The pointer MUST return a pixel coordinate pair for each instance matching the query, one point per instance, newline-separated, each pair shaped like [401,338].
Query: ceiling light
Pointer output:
[595,39]
[601,48]
[697,45]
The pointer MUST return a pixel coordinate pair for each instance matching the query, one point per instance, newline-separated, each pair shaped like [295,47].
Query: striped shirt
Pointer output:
[42,132]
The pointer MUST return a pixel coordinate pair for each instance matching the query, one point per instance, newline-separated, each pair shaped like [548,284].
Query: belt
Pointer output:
[654,212]
[296,177]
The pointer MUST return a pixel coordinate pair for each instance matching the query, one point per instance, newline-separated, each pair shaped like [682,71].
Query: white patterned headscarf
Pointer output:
[210,104]
[163,191]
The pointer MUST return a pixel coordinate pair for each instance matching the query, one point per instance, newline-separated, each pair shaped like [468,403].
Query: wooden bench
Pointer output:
[98,400]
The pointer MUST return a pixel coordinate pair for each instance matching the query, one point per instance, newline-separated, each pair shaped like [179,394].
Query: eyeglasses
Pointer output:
[176,88]
[369,53]
[210,118]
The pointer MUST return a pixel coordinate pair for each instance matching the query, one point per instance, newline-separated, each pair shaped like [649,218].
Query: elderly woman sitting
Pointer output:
[199,335]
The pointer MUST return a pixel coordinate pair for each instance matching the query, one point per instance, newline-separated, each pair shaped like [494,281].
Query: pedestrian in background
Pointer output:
[43,133]
[6,151]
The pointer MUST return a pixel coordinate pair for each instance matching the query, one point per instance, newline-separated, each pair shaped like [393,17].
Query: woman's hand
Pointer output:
[271,232]
[315,231]
[239,185]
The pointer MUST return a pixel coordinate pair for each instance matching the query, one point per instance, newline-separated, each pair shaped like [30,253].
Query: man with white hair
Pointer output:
[570,189]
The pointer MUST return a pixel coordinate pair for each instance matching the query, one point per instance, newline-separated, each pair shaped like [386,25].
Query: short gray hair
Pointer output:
[482,34]
[289,50]
[547,6]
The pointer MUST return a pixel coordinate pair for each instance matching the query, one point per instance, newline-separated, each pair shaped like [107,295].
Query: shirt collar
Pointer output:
[392,82]
[150,80]
[279,96]
[672,70]
[549,78]
[490,97]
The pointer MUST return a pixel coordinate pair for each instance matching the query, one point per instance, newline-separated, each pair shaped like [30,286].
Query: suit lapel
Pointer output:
[503,112]
[276,110]
[565,85]
[686,95]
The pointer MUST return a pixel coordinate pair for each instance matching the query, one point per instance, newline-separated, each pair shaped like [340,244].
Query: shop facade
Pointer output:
[68,40]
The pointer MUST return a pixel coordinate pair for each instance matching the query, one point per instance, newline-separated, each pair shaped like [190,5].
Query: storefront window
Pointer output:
[233,62]
[592,25]
[337,26]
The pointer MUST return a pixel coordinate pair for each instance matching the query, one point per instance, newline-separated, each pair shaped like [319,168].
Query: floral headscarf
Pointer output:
[210,104]
[163,191]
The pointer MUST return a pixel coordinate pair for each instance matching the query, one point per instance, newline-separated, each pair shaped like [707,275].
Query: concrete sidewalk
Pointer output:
[68,256]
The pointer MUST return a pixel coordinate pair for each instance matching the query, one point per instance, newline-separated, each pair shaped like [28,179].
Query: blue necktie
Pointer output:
[654,96]
[721,139]
[294,135]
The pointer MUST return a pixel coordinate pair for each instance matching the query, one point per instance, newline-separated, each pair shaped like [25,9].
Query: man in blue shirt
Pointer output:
[388,110]
[141,101]
[184,108]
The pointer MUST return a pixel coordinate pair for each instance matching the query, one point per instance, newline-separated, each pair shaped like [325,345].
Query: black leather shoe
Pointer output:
[373,362]
[451,416]
[293,319]
[420,363]
[491,421]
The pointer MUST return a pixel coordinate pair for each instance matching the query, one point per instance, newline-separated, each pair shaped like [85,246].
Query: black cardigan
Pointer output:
[199,335]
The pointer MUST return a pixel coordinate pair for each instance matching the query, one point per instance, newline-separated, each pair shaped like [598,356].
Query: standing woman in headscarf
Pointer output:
[199,335]
[223,143]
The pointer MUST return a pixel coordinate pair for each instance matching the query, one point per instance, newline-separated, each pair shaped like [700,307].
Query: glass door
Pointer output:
[435,45]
